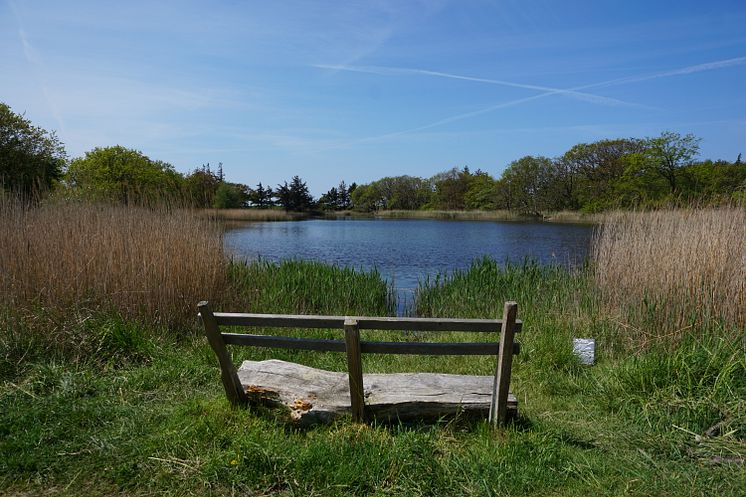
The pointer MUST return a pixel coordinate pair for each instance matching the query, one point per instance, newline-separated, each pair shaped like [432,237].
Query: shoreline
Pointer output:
[268,215]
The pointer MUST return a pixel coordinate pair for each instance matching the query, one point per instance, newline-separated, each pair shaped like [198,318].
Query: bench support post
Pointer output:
[355,370]
[233,389]
[501,384]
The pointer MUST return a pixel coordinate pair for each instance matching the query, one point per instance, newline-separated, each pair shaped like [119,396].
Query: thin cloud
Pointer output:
[35,61]
[709,66]
[398,71]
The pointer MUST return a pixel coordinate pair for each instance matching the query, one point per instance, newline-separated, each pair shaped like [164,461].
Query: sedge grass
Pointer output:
[307,287]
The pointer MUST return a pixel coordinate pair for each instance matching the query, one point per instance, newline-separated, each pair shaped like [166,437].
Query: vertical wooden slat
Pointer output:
[501,384]
[228,375]
[355,369]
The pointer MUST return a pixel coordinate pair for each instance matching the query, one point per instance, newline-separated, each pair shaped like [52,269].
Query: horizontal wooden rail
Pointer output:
[364,323]
[430,348]
[419,348]
[284,342]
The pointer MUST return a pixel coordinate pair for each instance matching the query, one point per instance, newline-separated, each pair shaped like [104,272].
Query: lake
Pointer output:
[406,251]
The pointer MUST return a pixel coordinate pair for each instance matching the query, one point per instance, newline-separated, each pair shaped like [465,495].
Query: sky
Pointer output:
[358,90]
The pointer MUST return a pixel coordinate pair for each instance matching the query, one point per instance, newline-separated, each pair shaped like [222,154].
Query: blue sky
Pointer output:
[358,90]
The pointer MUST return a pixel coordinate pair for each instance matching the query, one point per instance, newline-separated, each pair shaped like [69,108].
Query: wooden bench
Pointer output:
[316,395]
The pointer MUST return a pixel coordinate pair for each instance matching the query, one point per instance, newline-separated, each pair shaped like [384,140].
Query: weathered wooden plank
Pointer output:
[228,376]
[322,345]
[315,395]
[364,323]
[355,370]
[501,384]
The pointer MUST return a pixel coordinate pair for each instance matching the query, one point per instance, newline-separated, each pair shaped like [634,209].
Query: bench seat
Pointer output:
[318,396]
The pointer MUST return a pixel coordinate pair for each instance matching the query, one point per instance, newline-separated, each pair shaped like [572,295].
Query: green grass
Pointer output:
[142,412]
[306,287]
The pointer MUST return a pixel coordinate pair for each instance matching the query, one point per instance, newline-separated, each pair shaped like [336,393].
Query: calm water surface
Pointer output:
[406,251]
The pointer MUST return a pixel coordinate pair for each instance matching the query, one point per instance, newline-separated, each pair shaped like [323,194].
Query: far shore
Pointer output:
[570,217]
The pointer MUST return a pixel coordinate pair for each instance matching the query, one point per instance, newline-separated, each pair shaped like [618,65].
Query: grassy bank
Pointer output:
[137,408]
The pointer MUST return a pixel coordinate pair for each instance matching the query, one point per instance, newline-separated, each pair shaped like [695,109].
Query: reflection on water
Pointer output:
[406,251]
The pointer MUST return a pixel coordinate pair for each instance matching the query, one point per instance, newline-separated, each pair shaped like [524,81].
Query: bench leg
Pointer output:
[355,370]
[501,384]
[233,389]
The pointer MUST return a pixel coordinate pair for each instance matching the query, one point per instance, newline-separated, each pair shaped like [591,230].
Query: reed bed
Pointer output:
[147,264]
[252,214]
[502,215]
[575,217]
[667,272]
[496,215]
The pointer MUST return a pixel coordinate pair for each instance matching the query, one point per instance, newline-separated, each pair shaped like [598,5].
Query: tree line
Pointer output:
[591,177]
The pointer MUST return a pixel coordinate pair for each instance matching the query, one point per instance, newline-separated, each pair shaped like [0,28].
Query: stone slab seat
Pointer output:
[318,396]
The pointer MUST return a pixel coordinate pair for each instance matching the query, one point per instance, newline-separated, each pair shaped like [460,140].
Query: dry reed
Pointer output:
[501,215]
[575,217]
[676,269]
[152,265]
[253,214]
[496,215]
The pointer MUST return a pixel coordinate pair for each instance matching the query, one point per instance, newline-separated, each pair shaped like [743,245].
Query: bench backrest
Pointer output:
[504,348]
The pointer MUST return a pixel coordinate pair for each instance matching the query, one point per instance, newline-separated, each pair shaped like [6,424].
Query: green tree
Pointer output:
[587,173]
[201,186]
[639,185]
[344,192]
[711,181]
[31,159]
[124,175]
[527,184]
[392,192]
[261,197]
[230,196]
[451,187]
[668,153]
[294,197]
[483,192]
[367,198]
[331,200]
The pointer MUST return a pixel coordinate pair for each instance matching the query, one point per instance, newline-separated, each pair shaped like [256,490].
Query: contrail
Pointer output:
[709,66]
[398,71]
[446,120]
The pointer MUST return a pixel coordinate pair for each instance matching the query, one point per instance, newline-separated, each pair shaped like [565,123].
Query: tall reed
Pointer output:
[675,269]
[500,215]
[149,264]
[252,214]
